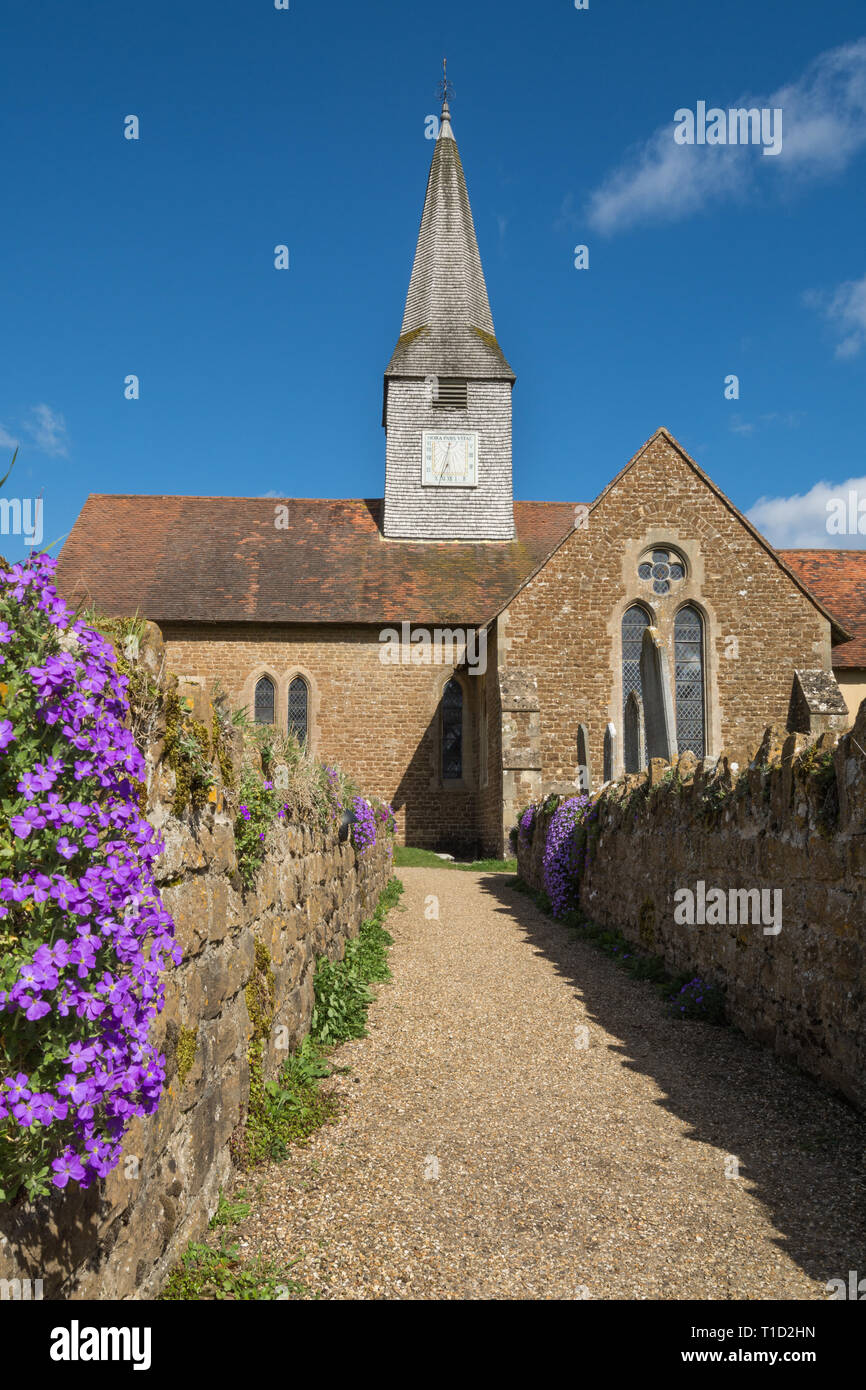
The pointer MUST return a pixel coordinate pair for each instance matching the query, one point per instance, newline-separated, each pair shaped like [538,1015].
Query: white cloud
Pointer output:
[786,419]
[823,127]
[800,521]
[47,429]
[7,440]
[845,307]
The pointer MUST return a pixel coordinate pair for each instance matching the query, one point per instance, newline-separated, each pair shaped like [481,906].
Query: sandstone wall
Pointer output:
[379,722]
[793,820]
[121,1238]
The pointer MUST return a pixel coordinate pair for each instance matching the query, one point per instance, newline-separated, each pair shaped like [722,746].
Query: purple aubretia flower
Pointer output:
[561,874]
[364,828]
[97,973]
[66,1167]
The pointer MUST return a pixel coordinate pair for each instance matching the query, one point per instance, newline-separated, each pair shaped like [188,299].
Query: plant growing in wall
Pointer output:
[84,936]
[562,864]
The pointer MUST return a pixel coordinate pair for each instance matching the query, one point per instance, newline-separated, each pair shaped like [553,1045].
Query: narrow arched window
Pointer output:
[635,621]
[299,701]
[452,730]
[264,701]
[689,660]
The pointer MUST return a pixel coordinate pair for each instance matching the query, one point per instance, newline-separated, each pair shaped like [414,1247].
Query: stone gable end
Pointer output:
[564,625]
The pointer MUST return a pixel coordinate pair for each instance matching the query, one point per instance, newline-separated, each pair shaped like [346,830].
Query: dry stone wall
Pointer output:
[794,821]
[120,1238]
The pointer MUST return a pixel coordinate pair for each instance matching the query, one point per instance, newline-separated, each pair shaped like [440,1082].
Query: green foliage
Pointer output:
[187,750]
[316,792]
[286,1111]
[259,807]
[231,1210]
[221,734]
[283,779]
[280,1113]
[820,768]
[342,988]
[9,469]
[205,1273]
[714,798]
[406,856]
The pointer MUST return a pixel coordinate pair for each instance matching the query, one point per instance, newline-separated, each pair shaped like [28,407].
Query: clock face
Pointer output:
[449,459]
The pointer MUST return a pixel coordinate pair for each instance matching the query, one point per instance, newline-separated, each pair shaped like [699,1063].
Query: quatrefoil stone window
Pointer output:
[663,569]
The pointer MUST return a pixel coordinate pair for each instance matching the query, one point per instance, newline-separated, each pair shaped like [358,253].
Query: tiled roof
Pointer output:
[838,579]
[222,559]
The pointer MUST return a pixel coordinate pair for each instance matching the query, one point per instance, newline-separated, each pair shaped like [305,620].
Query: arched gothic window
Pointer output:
[689,661]
[635,621]
[264,701]
[299,702]
[452,731]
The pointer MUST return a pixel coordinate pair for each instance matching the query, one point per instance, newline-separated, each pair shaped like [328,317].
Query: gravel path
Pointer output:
[482,1152]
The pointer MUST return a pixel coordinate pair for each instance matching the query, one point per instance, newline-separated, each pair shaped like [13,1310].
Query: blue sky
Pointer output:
[307,127]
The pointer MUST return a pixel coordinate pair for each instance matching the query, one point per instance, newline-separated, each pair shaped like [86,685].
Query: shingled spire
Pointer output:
[447,325]
[447,406]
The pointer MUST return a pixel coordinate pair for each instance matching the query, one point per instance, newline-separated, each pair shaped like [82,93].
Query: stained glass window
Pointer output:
[689,659]
[264,701]
[662,570]
[298,702]
[452,730]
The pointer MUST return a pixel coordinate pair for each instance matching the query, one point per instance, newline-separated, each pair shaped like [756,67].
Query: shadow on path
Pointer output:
[801,1148]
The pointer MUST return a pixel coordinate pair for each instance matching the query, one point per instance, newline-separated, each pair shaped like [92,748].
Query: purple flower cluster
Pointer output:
[364,827]
[525,826]
[335,806]
[91,937]
[561,870]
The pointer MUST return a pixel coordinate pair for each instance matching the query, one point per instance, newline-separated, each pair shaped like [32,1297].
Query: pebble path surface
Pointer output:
[526,1121]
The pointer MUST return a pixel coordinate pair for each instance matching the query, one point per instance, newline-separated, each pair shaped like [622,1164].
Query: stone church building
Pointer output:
[460,652]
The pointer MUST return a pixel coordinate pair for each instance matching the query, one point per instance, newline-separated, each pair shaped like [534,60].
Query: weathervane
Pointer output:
[446,88]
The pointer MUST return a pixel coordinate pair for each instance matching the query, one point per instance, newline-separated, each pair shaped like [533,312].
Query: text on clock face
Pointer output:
[449,459]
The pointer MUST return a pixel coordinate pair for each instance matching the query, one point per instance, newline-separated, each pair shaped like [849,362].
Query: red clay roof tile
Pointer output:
[838,579]
[222,559]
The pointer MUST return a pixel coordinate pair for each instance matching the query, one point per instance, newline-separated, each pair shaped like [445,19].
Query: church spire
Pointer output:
[447,324]
[447,397]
